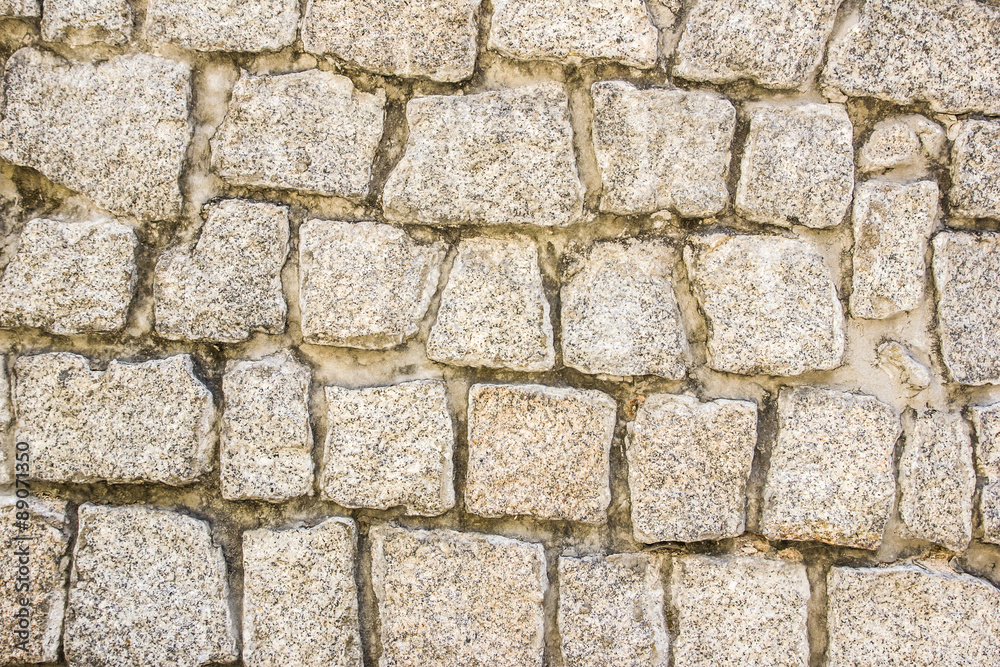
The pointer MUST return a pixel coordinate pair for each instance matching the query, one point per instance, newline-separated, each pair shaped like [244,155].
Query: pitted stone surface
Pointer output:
[902,141]
[892,222]
[429,39]
[83,22]
[390,446]
[148,587]
[619,313]
[611,611]
[770,302]
[363,284]
[493,310]
[148,422]
[324,143]
[21,8]
[830,477]
[662,149]
[300,602]
[454,598]
[943,52]
[565,30]
[776,44]
[907,615]
[227,285]
[688,467]
[70,277]
[967,277]
[798,166]
[222,25]
[116,131]
[266,441]
[499,157]
[986,419]
[540,451]
[896,360]
[975,168]
[740,611]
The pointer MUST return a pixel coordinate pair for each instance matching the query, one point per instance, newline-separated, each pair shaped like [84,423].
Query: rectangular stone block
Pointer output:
[85,22]
[986,419]
[222,25]
[975,168]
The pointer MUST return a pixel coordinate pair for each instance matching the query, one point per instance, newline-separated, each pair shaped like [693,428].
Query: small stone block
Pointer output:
[975,169]
[986,419]
[222,25]
[85,22]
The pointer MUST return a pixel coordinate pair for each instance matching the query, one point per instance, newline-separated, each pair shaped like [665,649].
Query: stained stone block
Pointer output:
[541,451]
[902,141]
[688,467]
[830,477]
[662,149]
[222,25]
[21,8]
[83,22]
[363,284]
[975,169]
[986,419]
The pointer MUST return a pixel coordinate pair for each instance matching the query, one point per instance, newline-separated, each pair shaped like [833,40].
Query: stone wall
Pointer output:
[506,333]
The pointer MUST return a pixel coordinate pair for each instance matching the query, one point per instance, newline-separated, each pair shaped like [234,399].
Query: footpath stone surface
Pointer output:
[975,169]
[986,419]
[222,25]
[85,22]
[902,141]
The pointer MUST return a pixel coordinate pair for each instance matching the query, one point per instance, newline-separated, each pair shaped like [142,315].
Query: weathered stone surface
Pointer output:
[116,131]
[493,310]
[892,222]
[300,602]
[390,446]
[541,451]
[499,157]
[830,478]
[662,149]
[619,313]
[967,276]
[222,25]
[740,611]
[907,615]
[6,413]
[901,141]
[776,44]
[688,466]
[148,587]
[798,166]
[770,302]
[565,30]
[83,22]
[227,285]
[44,557]
[611,611]
[986,419]
[458,598]
[896,360]
[70,278]
[436,40]
[975,169]
[21,8]
[363,284]
[943,52]
[937,480]
[324,143]
[266,441]
[148,422]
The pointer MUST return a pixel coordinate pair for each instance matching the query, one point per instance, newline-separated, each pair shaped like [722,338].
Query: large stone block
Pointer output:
[84,22]
[986,419]
[975,169]
[222,25]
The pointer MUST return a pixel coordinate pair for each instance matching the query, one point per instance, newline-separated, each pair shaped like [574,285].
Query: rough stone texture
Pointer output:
[566,30]
[975,169]
[227,285]
[619,314]
[798,166]
[740,611]
[148,422]
[436,40]
[776,44]
[937,480]
[892,222]
[44,555]
[390,446]
[986,419]
[300,602]
[83,22]
[21,8]
[324,143]
[493,310]
[541,451]
[662,149]
[116,131]
[967,276]
[901,141]
[770,302]
[148,587]
[363,284]
[611,611]
[908,615]
[449,598]
[70,278]
[896,360]
[222,25]
[5,412]
[266,441]
[499,157]
[830,477]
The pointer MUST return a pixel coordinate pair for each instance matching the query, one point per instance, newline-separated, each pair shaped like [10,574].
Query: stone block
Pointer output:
[222,25]
[902,141]
[898,362]
[21,8]
[986,419]
[85,22]
[975,169]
